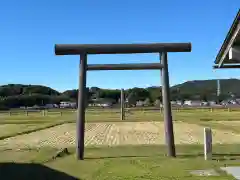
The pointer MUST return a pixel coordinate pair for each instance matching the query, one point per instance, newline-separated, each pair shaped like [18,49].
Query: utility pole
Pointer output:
[218,88]
[218,91]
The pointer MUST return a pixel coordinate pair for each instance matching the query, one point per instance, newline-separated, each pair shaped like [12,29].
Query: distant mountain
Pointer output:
[21,89]
[188,87]
[209,86]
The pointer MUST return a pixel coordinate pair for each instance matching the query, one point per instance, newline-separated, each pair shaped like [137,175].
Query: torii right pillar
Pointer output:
[168,122]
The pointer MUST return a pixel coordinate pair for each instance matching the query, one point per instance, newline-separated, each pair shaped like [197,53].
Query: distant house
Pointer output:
[49,106]
[176,103]
[67,104]
[105,104]
[146,102]
[173,103]
[233,102]
[157,102]
[140,103]
[238,101]
[102,102]
[205,103]
[180,103]
[224,102]
[193,103]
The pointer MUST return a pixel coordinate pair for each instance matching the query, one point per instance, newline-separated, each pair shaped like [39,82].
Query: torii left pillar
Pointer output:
[81,106]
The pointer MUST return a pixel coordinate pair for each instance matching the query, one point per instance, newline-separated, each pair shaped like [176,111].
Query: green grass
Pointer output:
[12,129]
[145,162]
[40,155]
[16,130]
[17,125]
[123,162]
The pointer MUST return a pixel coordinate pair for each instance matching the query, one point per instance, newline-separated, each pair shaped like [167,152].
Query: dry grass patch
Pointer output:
[117,133]
[193,134]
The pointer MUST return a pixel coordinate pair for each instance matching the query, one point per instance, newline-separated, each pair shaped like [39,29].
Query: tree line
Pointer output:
[16,95]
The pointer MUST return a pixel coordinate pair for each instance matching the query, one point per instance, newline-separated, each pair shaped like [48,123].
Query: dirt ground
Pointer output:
[117,133]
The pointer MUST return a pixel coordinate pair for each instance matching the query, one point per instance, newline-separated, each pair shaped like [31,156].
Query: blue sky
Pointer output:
[29,30]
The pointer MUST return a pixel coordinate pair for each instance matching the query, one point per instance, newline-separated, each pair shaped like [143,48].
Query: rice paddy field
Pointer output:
[116,149]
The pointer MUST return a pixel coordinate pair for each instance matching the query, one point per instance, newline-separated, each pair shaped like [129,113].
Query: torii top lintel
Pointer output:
[76,49]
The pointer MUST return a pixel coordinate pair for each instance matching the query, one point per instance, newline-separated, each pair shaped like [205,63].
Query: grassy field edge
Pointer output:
[35,129]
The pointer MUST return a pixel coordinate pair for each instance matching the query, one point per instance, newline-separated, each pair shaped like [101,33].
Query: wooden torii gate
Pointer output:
[84,49]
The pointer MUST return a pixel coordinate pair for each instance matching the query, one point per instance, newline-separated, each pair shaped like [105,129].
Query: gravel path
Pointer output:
[117,133]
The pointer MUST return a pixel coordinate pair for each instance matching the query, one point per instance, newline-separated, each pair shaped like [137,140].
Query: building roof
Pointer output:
[232,40]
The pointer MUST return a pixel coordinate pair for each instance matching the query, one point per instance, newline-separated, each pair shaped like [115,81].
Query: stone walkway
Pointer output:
[234,171]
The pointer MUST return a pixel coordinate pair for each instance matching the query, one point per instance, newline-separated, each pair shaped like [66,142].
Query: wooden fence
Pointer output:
[60,112]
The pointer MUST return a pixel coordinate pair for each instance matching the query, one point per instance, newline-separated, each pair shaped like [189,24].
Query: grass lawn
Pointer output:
[13,126]
[19,124]
[122,162]
[145,162]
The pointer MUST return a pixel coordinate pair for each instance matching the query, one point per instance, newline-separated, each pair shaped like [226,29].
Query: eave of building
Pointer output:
[230,45]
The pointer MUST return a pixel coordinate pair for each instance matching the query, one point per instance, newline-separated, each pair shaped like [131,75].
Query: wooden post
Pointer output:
[122,105]
[207,143]
[43,112]
[26,113]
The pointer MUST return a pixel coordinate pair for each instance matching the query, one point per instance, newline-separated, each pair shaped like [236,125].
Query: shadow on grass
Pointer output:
[226,157]
[13,171]
[117,157]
